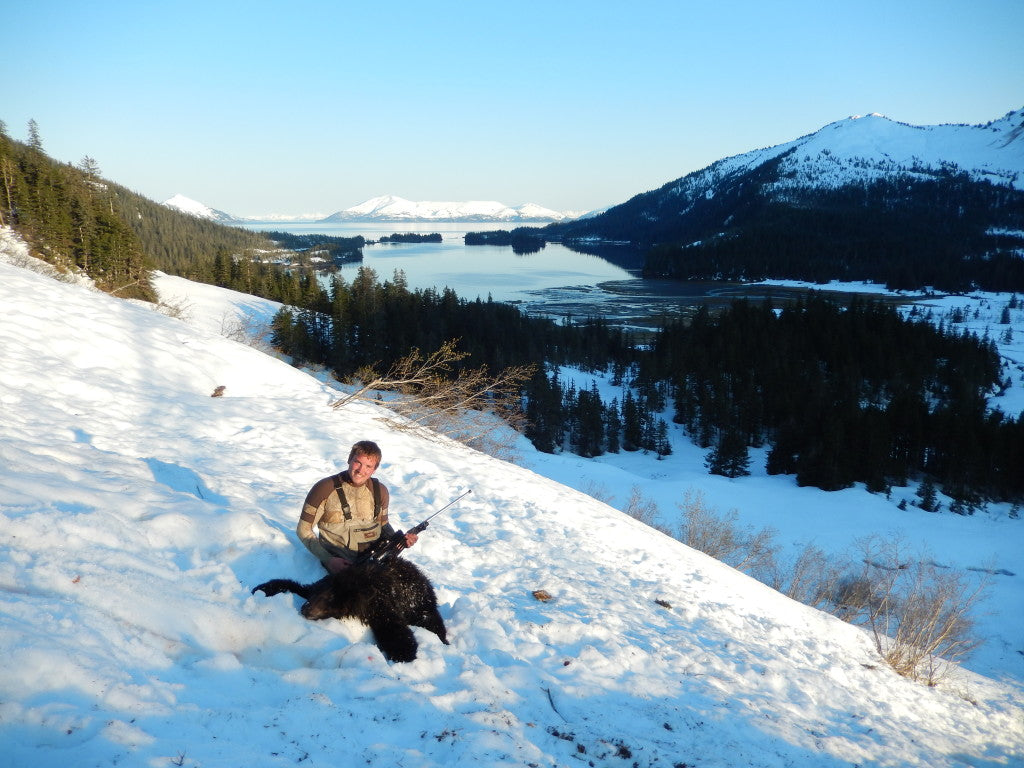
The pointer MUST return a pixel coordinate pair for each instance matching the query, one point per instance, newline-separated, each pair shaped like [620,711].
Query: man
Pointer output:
[345,514]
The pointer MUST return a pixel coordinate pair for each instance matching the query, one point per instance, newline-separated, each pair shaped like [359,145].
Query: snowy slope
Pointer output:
[136,512]
[392,208]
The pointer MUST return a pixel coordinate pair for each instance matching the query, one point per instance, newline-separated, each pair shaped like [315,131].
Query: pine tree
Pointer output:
[662,444]
[928,495]
[34,140]
[729,457]
[589,423]
[632,423]
[89,167]
[613,426]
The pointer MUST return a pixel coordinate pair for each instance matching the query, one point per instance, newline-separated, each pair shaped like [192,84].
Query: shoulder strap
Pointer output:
[376,497]
[346,509]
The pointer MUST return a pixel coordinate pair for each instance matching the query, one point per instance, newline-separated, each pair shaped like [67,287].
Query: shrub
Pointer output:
[813,578]
[919,613]
[643,509]
[722,537]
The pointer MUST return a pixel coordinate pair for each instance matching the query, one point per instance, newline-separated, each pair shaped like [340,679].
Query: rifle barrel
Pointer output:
[442,509]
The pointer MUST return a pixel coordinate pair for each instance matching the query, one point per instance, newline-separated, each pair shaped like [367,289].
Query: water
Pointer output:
[555,282]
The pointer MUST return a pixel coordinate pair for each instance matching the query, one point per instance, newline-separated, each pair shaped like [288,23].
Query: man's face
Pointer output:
[360,468]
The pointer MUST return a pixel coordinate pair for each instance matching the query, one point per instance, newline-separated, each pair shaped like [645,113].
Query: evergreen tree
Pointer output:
[662,444]
[89,167]
[34,140]
[613,426]
[632,423]
[928,496]
[589,423]
[544,412]
[729,457]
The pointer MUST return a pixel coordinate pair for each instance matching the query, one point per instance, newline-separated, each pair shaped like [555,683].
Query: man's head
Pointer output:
[366,448]
[363,460]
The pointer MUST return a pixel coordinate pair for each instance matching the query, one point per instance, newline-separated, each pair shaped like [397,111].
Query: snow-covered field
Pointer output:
[137,511]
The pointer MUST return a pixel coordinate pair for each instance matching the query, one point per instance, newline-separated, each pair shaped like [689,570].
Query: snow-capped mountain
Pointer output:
[864,148]
[853,151]
[393,208]
[186,205]
[865,198]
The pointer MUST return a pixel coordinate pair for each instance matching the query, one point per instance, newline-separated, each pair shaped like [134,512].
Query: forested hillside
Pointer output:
[75,219]
[842,394]
[186,245]
[949,231]
[71,217]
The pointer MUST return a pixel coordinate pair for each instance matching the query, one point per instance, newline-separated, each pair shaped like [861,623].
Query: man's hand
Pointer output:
[410,539]
[337,564]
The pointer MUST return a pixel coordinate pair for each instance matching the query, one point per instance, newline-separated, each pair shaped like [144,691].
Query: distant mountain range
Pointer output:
[390,208]
[864,198]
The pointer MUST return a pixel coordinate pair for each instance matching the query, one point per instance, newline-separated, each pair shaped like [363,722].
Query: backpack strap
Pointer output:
[346,509]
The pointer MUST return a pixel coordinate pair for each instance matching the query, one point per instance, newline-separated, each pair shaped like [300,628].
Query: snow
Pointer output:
[137,511]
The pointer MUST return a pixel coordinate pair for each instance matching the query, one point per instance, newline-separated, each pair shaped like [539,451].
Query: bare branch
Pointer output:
[425,394]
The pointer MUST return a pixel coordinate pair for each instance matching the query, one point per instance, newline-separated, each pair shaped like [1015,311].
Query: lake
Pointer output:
[555,282]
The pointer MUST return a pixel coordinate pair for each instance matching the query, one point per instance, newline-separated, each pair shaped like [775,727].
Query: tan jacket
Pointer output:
[325,530]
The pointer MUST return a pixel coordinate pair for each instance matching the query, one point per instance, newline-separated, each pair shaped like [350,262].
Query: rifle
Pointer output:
[383,550]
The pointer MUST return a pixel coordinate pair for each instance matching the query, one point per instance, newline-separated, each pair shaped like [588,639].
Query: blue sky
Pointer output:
[312,106]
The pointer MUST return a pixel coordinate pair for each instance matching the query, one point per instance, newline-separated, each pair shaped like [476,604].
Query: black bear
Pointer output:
[388,597]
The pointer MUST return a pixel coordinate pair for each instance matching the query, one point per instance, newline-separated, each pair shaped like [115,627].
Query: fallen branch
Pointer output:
[428,394]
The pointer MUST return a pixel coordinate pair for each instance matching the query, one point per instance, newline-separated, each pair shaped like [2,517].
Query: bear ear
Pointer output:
[322,605]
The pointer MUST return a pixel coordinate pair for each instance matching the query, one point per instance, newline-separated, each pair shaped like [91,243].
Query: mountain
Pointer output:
[186,205]
[859,150]
[862,198]
[137,512]
[392,208]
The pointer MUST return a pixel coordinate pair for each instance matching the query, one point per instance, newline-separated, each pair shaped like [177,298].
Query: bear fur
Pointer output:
[388,597]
